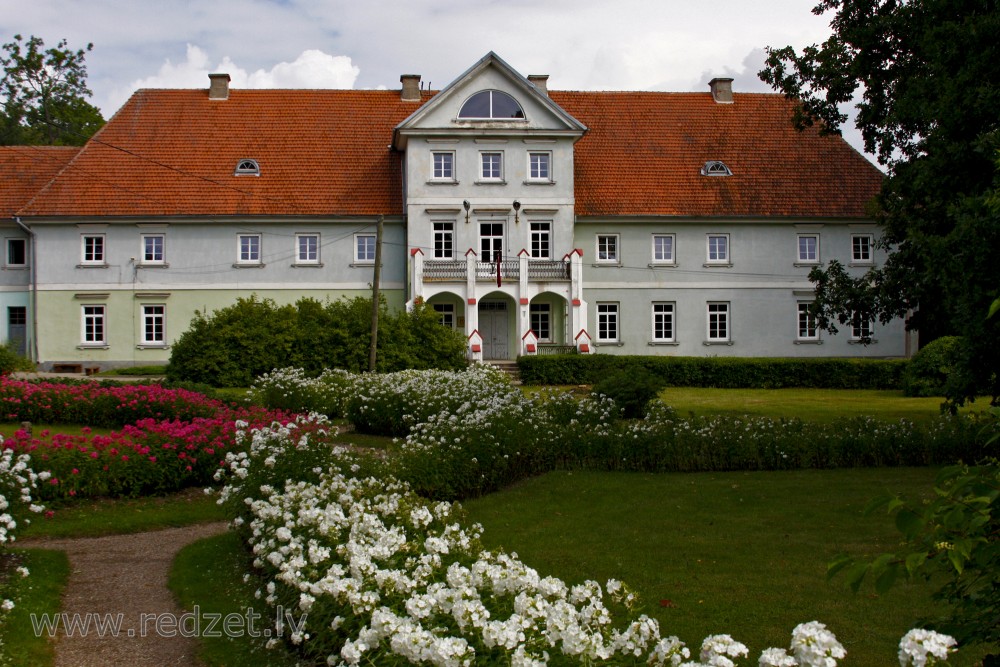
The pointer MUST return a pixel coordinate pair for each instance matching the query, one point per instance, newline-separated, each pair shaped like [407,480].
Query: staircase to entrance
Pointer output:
[507,366]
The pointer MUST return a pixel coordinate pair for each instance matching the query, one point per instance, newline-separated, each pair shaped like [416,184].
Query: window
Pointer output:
[154,325]
[607,322]
[364,248]
[249,249]
[715,168]
[718,248]
[17,252]
[861,329]
[443,166]
[447,313]
[807,323]
[541,237]
[808,248]
[663,248]
[93,329]
[539,167]
[663,322]
[307,249]
[492,166]
[93,249]
[444,240]
[491,104]
[247,168]
[718,322]
[490,241]
[861,248]
[607,248]
[153,248]
[541,321]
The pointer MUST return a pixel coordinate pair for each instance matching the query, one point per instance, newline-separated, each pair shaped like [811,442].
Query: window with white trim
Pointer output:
[808,252]
[861,329]
[443,166]
[491,166]
[491,105]
[153,248]
[607,248]
[540,166]
[364,248]
[806,322]
[718,249]
[663,322]
[862,246]
[541,321]
[154,324]
[607,322]
[17,252]
[718,321]
[307,248]
[248,251]
[490,241]
[92,325]
[663,248]
[93,248]
[446,311]
[444,240]
[541,240]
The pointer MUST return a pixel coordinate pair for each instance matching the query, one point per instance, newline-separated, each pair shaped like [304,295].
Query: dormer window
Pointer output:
[716,168]
[247,168]
[491,105]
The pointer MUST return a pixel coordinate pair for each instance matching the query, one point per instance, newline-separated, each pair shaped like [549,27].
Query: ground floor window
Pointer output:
[861,328]
[446,311]
[718,321]
[607,322]
[93,325]
[663,322]
[541,321]
[154,320]
[807,323]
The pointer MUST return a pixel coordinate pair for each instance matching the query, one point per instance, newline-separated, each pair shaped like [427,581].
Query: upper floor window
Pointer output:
[861,248]
[491,104]
[607,248]
[491,166]
[540,166]
[249,249]
[307,248]
[443,166]
[808,249]
[862,328]
[716,168]
[541,240]
[718,249]
[663,248]
[364,248]
[153,249]
[444,240]
[17,252]
[247,168]
[93,248]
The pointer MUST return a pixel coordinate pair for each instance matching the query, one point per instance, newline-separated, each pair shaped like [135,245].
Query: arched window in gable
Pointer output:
[491,105]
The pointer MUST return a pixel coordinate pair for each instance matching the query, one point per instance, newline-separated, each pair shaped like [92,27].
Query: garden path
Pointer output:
[127,575]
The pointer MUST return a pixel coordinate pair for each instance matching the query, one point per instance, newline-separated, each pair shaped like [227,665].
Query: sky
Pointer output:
[670,45]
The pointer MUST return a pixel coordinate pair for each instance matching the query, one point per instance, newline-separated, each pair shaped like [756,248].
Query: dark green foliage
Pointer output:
[232,346]
[631,390]
[930,368]
[722,372]
[11,361]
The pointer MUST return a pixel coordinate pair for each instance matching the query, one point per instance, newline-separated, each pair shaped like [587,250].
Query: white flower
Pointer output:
[924,647]
[6,605]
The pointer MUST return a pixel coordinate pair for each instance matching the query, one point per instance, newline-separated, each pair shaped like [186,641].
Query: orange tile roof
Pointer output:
[325,153]
[644,151]
[25,169]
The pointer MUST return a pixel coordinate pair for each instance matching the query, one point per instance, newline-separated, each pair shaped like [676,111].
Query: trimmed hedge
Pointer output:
[721,372]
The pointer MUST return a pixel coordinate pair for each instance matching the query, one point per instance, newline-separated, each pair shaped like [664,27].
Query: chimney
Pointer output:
[411,87]
[218,87]
[541,82]
[722,90]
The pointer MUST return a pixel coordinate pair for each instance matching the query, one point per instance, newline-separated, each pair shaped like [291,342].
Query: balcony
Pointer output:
[539,270]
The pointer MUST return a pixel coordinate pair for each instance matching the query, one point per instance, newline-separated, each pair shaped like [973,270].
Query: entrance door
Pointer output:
[493,328]
[17,328]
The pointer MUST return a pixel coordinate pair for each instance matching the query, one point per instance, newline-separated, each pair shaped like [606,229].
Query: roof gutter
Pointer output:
[32,291]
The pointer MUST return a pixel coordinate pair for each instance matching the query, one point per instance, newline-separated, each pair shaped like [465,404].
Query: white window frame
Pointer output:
[540,234]
[24,252]
[94,317]
[535,166]
[447,313]
[802,254]
[362,257]
[658,257]
[658,311]
[438,172]
[606,254]
[483,165]
[861,330]
[93,249]
[541,313]
[304,254]
[444,239]
[805,323]
[719,326]
[254,250]
[153,313]
[868,245]
[608,322]
[714,243]
[144,248]
[496,242]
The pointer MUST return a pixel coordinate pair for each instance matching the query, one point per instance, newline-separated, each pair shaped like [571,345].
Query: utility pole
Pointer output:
[375,280]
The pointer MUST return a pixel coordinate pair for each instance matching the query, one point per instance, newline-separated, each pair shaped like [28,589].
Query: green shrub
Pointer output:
[630,390]
[928,371]
[11,361]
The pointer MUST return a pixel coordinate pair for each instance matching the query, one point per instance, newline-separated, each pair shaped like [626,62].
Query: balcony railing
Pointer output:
[510,269]
[543,269]
[444,270]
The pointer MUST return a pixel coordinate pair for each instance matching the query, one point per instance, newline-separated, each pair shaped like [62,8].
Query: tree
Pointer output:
[44,95]
[924,75]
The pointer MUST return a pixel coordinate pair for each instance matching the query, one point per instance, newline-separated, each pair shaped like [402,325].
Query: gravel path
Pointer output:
[125,575]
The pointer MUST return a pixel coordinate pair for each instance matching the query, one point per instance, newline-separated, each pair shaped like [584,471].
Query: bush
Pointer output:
[630,390]
[928,371]
[11,361]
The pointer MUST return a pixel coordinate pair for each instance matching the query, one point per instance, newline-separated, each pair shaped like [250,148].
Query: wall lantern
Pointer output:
[517,207]
[466,205]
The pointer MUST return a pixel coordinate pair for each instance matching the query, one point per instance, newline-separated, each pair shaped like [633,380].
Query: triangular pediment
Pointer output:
[456,110]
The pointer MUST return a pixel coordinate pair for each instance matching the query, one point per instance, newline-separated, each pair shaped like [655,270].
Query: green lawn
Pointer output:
[737,553]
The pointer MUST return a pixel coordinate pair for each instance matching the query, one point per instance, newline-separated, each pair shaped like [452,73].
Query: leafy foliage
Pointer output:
[924,74]
[44,95]
[928,372]
[630,390]
[11,361]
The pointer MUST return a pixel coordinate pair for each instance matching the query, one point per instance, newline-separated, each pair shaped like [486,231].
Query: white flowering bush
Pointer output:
[17,482]
[293,390]
[924,647]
